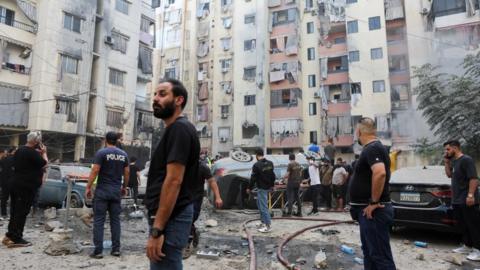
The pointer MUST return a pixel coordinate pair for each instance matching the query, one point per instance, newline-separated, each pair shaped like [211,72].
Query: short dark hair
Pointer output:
[178,89]
[133,159]
[314,142]
[291,157]
[454,143]
[111,137]
[339,159]
[259,152]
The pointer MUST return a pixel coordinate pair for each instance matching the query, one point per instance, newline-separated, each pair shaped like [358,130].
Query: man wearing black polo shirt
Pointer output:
[172,179]
[370,200]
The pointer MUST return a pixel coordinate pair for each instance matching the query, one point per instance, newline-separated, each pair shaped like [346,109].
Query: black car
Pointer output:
[421,198]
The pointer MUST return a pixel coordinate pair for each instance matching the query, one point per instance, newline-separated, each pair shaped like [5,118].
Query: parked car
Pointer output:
[143,180]
[421,198]
[54,191]
[233,176]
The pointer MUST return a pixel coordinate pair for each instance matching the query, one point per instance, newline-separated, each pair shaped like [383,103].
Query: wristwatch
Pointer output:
[371,202]
[156,232]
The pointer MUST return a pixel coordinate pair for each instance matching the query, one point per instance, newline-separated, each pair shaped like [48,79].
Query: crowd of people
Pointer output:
[178,172]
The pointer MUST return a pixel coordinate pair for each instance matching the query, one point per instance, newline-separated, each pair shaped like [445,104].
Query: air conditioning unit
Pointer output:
[223,139]
[26,53]
[26,95]
[229,90]
[225,70]
[224,115]
[316,94]
[109,40]
[314,12]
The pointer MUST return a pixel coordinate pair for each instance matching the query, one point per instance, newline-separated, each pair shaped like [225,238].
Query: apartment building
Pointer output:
[84,69]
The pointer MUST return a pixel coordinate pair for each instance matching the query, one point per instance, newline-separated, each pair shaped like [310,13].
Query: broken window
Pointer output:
[71,22]
[122,6]
[397,63]
[202,49]
[394,9]
[374,23]
[223,133]
[143,121]
[69,64]
[114,118]
[249,100]
[202,112]
[284,98]
[249,45]
[339,125]
[226,64]
[284,16]
[378,86]
[448,7]
[376,53]
[250,18]
[117,77]
[249,73]
[291,45]
[311,53]
[226,87]
[67,107]
[145,59]
[401,124]
[395,34]
[285,128]
[277,45]
[120,42]
[338,92]
[400,96]
[249,130]
[356,88]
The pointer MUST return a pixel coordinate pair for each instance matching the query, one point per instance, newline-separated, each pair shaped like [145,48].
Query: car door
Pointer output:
[54,189]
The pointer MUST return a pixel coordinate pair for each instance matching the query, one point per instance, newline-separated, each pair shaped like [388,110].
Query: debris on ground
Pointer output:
[455,259]
[321,260]
[50,213]
[420,257]
[52,225]
[212,255]
[211,223]
[326,232]
[136,214]
[358,260]
[61,243]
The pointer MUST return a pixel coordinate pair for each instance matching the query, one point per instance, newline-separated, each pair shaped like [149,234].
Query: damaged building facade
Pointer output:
[75,70]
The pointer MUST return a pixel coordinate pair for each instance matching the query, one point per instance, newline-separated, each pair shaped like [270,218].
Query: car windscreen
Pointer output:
[75,170]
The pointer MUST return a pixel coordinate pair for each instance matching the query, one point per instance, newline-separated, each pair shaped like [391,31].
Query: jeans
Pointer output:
[375,237]
[468,219]
[177,231]
[262,204]
[327,195]
[292,197]
[315,189]
[21,202]
[106,200]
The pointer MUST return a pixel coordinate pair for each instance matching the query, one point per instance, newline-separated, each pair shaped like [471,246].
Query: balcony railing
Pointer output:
[17,24]
[16,68]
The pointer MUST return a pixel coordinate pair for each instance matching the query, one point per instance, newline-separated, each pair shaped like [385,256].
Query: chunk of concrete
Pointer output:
[211,223]
[50,213]
[61,243]
[52,225]
[320,261]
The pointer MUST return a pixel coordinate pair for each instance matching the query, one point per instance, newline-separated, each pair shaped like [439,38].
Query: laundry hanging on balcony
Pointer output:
[291,48]
[394,9]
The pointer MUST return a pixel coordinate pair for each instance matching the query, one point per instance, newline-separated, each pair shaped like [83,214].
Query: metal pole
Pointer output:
[67,205]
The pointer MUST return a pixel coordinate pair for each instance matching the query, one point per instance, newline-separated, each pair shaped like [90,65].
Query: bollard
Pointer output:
[67,205]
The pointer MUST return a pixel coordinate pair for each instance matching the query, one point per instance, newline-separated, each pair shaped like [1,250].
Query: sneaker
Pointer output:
[313,213]
[265,229]
[7,241]
[95,255]
[20,243]
[115,253]
[463,250]
[474,255]
[260,225]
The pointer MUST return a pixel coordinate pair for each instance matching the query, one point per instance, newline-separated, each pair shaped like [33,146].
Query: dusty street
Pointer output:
[226,238]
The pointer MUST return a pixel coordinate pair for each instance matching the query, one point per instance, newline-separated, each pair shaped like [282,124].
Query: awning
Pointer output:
[13,41]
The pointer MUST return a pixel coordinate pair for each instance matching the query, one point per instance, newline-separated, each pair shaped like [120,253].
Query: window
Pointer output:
[351,1]
[400,96]
[120,42]
[171,2]
[249,100]
[339,40]
[202,112]
[173,36]
[71,22]
[223,133]
[312,108]
[311,80]
[397,63]
[249,18]
[54,173]
[284,16]
[311,53]
[68,107]
[310,27]
[69,64]
[143,121]
[374,23]
[7,16]
[378,86]
[122,6]
[284,98]
[448,7]
[356,88]
[114,118]
[117,77]
[249,73]
[224,109]
[226,3]
[354,56]
[352,27]
[226,63]
[313,136]
[249,45]
[170,73]
[376,53]
[309,4]
[146,25]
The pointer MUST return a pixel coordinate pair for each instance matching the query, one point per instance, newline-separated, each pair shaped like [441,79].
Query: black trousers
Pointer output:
[21,202]
[315,192]
[5,196]
[468,220]
[293,196]
[327,195]
[134,194]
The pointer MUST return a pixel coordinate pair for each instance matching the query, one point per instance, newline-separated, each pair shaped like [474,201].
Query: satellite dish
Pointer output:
[241,156]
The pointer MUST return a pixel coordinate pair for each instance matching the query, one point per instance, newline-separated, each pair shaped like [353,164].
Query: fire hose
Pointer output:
[283,261]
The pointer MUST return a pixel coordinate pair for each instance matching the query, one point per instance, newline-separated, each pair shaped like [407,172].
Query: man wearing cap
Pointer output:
[111,163]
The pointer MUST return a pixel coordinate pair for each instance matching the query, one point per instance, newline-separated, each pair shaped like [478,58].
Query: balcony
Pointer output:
[13,23]
[15,74]
[16,113]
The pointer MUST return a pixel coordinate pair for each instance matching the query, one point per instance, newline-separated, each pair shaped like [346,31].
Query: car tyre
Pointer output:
[75,201]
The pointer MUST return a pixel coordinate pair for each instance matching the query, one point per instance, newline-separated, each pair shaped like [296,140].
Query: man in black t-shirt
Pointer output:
[370,199]
[172,179]
[29,162]
[134,181]
[461,168]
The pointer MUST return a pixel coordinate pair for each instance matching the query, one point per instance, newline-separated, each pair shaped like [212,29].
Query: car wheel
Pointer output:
[241,156]
[76,201]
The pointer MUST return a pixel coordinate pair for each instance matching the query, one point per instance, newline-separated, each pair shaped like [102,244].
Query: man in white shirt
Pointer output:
[314,183]
[340,176]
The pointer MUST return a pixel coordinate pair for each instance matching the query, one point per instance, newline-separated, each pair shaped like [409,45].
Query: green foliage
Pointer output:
[451,104]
